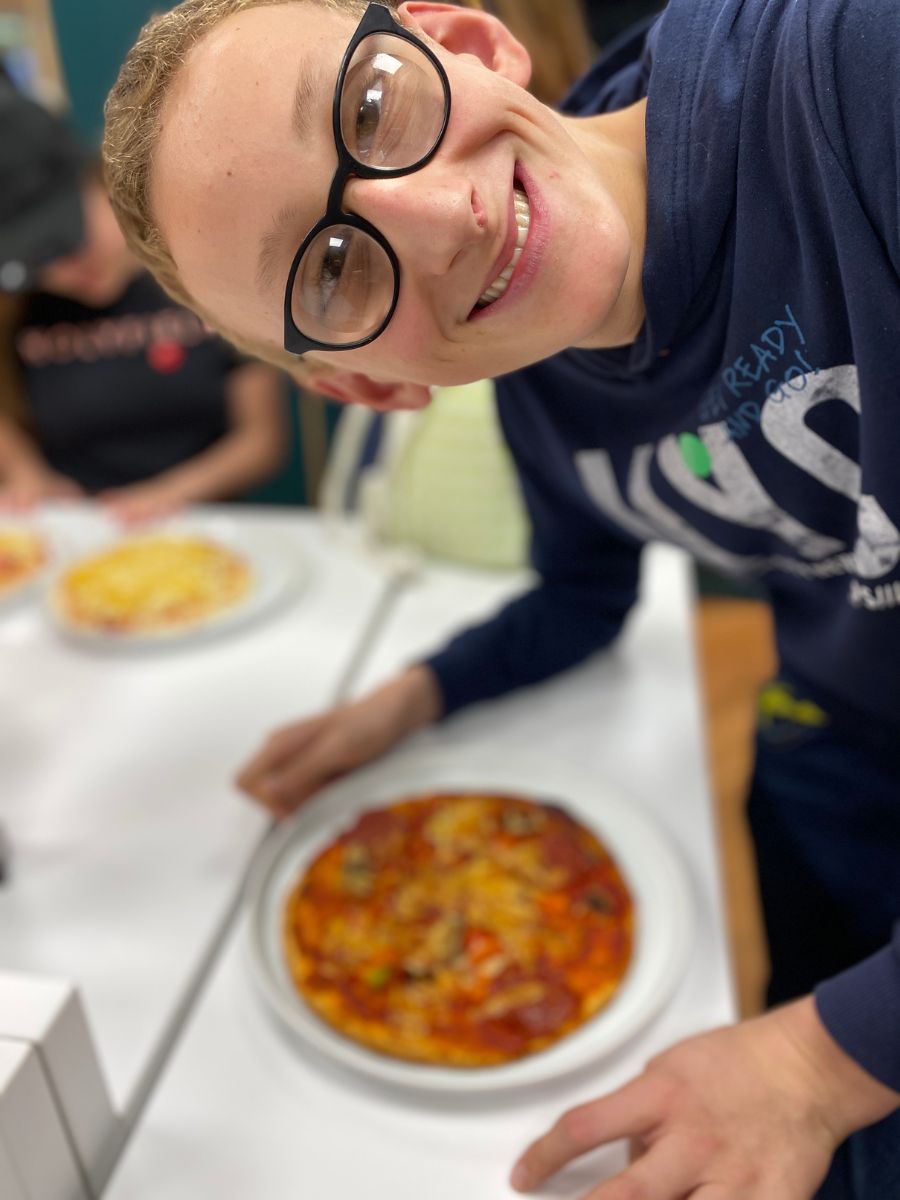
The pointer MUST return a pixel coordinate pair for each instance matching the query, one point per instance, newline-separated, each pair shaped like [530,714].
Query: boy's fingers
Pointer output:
[628,1112]
[303,774]
[251,773]
[261,795]
[256,780]
[668,1171]
[276,750]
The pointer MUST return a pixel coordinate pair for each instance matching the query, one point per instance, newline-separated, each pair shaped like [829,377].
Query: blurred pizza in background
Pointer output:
[153,585]
[23,554]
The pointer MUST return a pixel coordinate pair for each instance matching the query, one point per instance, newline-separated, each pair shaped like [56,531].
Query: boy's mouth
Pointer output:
[523,223]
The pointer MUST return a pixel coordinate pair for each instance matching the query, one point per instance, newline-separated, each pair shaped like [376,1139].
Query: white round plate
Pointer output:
[655,874]
[12,597]
[279,570]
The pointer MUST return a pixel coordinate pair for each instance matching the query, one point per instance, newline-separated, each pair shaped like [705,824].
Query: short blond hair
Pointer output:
[132,131]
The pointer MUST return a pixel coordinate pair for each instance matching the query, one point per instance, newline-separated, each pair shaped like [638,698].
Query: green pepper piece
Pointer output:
[378,977]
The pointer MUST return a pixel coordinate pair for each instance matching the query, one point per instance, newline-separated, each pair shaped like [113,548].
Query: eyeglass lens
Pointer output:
[392,114]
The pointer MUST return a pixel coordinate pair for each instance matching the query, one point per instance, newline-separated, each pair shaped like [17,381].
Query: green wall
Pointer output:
[94,36]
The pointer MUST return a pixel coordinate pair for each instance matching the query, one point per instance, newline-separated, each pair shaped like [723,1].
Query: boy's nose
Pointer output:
[428,221]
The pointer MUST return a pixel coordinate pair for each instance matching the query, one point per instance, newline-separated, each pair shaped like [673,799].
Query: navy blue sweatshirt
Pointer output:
[755,419]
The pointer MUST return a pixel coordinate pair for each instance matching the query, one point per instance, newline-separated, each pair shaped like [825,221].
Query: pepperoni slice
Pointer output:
[548,1014]
[562,850]
[502,1036]
[374,827]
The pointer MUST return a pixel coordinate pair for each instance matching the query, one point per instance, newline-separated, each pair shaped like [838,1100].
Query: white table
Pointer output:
[129,842]
[241,1113]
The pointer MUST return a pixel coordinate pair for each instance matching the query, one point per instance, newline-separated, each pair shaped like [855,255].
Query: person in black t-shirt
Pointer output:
[108,388]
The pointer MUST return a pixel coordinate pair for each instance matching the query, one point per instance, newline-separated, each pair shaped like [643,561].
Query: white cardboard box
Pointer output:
[48,1015]
[41,1159]
[10,1183]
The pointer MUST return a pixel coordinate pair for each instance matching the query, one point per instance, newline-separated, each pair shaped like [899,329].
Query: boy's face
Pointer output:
[236,173]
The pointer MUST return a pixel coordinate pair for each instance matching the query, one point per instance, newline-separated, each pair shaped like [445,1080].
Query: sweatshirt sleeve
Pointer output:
[854,51]
[860,1008]
[587,582]
[854,60]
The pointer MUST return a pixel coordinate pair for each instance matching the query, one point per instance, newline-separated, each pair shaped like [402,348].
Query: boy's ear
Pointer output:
[352,388]
[469,31]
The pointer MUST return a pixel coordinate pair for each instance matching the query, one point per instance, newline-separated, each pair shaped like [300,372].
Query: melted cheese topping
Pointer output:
[153,584]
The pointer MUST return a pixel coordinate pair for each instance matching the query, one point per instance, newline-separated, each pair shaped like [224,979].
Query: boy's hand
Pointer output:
[753,1112]
[32,485]
[299,760]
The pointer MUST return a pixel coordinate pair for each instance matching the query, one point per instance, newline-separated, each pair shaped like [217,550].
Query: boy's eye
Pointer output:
[331,268]
[336,275]
[368,116]
[372,109]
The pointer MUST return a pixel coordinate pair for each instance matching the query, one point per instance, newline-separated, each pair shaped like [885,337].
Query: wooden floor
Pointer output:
[734,638]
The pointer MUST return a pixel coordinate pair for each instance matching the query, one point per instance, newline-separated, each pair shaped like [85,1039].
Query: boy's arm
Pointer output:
[854,61]
[860,1008]
[550,628]
[855,69]
[588,581]
[554,626]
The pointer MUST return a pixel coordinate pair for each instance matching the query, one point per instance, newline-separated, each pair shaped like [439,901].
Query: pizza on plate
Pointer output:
[156,584]
[463,930]
[23,554]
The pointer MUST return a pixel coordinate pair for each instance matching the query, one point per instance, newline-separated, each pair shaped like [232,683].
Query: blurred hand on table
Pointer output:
[297,761]
[23,490]
[139,503]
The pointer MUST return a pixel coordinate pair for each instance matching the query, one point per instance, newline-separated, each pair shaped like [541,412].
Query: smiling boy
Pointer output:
[689,285]
[225,192]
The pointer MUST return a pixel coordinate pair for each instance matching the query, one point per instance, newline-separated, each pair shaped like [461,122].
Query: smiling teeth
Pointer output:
[523,223]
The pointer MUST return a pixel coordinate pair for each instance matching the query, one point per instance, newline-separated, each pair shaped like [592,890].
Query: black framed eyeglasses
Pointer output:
[390,112]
